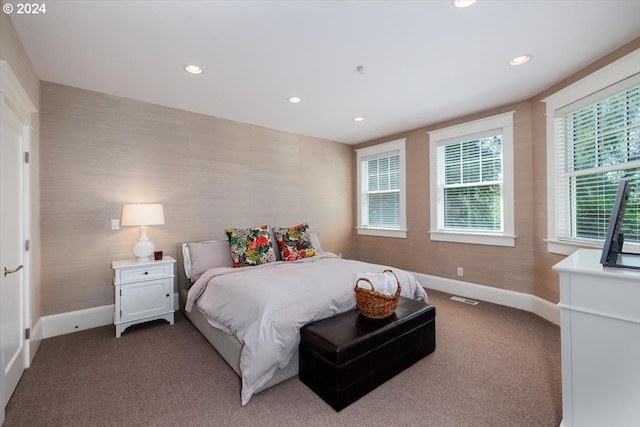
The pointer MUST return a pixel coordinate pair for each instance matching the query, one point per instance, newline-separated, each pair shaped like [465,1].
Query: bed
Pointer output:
[252,315]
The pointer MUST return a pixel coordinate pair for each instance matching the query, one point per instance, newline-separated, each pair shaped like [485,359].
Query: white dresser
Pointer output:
[143,291]
[600,341]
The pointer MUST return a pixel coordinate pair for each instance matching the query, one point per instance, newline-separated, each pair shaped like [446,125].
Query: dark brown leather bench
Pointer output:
[344,357]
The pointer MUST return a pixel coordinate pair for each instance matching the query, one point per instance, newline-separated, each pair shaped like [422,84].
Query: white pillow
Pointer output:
[201,256]
[185,260]
[315,240]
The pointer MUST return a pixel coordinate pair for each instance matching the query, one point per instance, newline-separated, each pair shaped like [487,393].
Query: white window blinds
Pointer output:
[383,191]
[598,143]
[470,184]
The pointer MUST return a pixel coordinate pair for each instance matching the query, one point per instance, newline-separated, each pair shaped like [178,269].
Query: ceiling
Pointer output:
[427,61]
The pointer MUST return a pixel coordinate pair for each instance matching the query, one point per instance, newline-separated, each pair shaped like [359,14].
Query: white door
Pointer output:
[13,221]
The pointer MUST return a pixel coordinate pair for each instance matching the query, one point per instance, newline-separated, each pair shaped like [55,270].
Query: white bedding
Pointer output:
[265,306]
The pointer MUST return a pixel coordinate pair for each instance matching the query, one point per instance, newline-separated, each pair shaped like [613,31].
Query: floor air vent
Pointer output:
[464,300]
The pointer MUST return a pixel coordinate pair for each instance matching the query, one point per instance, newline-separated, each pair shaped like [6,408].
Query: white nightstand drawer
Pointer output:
[147,272]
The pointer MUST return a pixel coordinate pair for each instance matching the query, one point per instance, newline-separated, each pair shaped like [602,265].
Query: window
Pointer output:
[597,145]
[381,195]
[472,182]
[593,141]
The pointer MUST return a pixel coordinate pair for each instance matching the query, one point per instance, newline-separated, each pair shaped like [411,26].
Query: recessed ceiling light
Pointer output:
[193,69]
[358,119]
[463,3]
[522,59]
[294,99]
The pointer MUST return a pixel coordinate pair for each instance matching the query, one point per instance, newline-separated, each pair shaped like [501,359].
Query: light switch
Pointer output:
[115,224]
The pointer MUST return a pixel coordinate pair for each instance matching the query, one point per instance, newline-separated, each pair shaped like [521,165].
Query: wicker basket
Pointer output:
[375,305]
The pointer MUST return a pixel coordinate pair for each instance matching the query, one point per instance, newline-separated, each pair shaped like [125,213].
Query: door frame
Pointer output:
[14,97]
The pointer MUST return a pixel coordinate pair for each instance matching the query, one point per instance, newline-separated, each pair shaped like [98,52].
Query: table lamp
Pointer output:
[142,215]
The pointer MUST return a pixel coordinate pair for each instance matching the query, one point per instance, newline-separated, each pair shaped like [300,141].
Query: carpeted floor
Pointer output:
[493,366]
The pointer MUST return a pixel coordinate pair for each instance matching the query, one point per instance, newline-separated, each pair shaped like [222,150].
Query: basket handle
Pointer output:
[394,275]
[397,281]
[366,280]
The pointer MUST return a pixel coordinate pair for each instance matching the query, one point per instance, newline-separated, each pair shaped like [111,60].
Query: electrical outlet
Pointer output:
[115,224]
[460,272]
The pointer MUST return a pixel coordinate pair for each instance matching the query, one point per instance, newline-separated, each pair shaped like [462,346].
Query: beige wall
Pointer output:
[523,268]
[100,151]
[13,53]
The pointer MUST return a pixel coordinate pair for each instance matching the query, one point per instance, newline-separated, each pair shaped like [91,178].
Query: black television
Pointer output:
[615,238]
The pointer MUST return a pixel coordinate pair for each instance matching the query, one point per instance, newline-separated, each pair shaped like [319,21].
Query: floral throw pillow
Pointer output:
[250,246]
[294,242]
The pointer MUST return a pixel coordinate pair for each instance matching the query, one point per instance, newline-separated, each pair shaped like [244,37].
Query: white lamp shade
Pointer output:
[142,214]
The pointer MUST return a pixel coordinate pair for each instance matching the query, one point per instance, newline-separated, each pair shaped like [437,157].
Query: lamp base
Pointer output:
[143,248]
[143,251]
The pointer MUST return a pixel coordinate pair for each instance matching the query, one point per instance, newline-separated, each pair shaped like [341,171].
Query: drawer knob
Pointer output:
[167,295]
[146,272]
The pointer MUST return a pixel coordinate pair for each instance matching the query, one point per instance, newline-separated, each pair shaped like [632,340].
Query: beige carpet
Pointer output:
[493,366]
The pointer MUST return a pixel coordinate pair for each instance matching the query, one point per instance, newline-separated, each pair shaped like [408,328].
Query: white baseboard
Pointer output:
[531,303]
[74,321]
[35,338]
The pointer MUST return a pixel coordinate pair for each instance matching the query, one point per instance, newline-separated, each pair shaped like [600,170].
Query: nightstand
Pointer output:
[144,291]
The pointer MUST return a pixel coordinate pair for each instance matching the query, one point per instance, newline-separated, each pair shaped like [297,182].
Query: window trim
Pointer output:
[617,71]
[461,132]
[397,146]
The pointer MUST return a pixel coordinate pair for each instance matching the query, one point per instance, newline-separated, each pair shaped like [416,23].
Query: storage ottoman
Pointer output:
[344,357]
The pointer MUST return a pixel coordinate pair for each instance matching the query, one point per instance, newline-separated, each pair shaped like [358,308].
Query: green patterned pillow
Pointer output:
[294,242]
[250,246]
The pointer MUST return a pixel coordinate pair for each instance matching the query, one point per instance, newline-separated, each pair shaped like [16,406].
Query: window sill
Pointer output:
[382,232]
[473,238]
[567,248]
[562,247]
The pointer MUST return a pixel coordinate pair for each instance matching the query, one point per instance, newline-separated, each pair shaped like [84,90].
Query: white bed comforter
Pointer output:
[265,306]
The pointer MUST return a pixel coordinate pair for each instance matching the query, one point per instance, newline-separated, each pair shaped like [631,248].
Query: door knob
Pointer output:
[6,271]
